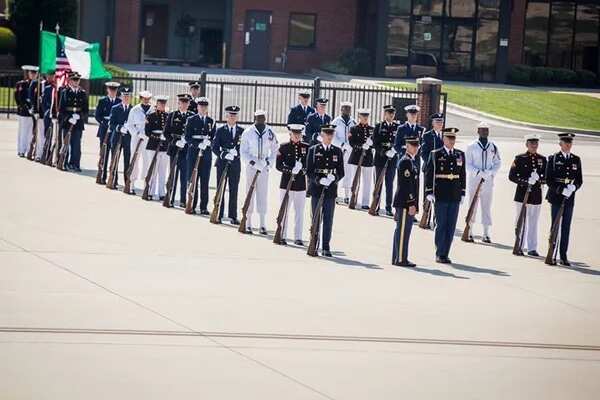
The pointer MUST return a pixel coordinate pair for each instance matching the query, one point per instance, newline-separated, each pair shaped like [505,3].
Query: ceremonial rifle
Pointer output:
[467,231]
[134,158]
[31,153]
[356,181]
[171,181]
[283,211]
[247,201]
[102,157]
[520,228]
[553,240]
[62,156]
[150,174]
[193,184]
[314,228]
[111,182]
[426,216]
[214,215]
[374,209]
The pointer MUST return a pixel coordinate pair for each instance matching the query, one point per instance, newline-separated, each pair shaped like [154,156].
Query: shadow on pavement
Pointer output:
[435,272]
[470,268]
[581,268]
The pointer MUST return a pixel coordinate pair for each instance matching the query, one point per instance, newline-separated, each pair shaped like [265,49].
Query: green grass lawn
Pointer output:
[526,105]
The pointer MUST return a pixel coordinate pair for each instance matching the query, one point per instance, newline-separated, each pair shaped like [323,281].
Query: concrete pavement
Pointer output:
[104,295]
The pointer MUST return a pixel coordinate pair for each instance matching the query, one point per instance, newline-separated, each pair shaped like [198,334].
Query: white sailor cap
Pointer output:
[346,104]
[145,94]
[296,127]
[483,124]
[412,108]
[259,113]
[32,68]
[532,136]
[202,101]
[304,93]
[161,97]
[363,111]
[112,84]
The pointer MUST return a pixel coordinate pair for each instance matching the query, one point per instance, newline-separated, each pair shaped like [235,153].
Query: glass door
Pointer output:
[457,48]
[425,46]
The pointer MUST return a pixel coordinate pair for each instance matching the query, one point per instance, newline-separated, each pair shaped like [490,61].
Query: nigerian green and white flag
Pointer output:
[58,52]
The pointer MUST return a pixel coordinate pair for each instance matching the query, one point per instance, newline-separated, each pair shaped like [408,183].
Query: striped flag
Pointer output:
[62,64]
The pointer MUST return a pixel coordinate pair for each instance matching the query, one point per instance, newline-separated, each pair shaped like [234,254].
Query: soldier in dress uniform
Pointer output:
[384,136]
[258,149]
[528,171]
[135,124]
[199,133]
[74,101]
[25,114]
[360,138]
[406,201]
[226,147]
[194,94]
[302,110]
[156,121]
[483,162]
[324,169]
[409,128]
[48,108]
[291,161]
[102,116]
[564,177]
[315,120]
[174,133]
[445,185]
[117,123]
[432,139]
[343,123]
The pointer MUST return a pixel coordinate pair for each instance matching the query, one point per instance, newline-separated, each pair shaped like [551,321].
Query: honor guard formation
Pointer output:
[341,160]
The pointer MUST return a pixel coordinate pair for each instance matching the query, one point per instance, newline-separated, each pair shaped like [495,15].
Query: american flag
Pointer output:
[62,64]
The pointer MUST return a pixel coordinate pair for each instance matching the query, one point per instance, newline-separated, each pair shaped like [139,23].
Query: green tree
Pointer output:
[25,17]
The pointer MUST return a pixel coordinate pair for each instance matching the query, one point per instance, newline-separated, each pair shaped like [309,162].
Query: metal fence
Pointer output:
[274,96]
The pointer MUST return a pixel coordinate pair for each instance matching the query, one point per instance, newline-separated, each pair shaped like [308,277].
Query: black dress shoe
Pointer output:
[533,253]
[76,169]
[470,239]
[133,193]
[234,221]
[103,181]
[326,253]
[564,262]
[149,197]
[299,242]
[443,260]
[365,207]
[182,204]
[283,242]
[262,230]
[204,212]
[389,212]
[346,200]
[21,155]
[486,239]
[248,231]
[406,263]
[161,198]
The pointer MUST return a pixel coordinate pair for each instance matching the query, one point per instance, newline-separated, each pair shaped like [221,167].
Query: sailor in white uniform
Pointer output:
[343,123]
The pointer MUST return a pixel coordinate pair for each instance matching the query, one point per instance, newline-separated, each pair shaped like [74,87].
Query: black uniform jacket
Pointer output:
[175,128]
[407,191]
[287,156]
[357,136]
[445,175]
[384,136]
[560,172]
[225,141]
[155,122]
[520,171]
[22,98]
[73,102]
[320,163]
[297,114]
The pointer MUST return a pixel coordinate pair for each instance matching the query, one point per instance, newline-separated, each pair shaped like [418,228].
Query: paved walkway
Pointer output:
[103,296]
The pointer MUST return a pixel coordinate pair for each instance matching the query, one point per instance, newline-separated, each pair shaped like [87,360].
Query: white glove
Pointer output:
[366,146]
[180,143]
[74,118]
[297,168]
[347,147]
[107,118]
[369,142]
[325,182]
[390,153]
[260,165]
[535,175]
[233,152]
[204,144]
[331,178]
[566,192]
[123,129]
[531,180]
[571,187]
[462,200]
[229,156]
[431,198]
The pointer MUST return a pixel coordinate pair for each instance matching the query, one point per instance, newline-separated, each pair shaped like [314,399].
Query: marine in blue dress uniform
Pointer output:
[384,136]
[432,139]
[102,116]
[445,184]
[324,169]
[226,147]
[406,201]
[315,120]
[118,131]
[302,110]
[74,100]
[410,128]
[564,177]
[174,133]
[194,94]
[199,133]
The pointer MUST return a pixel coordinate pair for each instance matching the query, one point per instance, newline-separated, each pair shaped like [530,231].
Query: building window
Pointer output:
[397,47]
[585,53]
[302,30]
[399,7]
[561,34]
[428,7]
[489,9]
[485,50]
[460,8]
[536,34]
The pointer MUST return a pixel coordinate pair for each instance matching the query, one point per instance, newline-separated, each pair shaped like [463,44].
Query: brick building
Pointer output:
[451,39]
